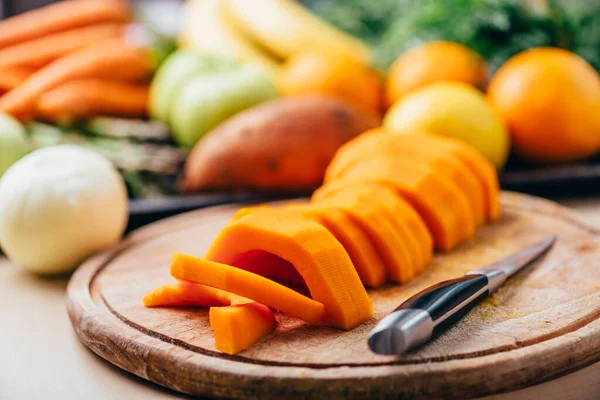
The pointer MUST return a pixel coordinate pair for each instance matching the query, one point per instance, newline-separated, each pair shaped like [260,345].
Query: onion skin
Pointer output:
[59,205]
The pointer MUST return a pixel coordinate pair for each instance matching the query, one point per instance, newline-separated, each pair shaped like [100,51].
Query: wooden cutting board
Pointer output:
[542,324]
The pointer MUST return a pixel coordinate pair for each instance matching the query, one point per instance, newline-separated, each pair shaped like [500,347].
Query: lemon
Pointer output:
[456,110]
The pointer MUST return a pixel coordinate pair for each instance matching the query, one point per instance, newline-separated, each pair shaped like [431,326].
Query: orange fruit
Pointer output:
[334,75]
[434,62]
[550,100]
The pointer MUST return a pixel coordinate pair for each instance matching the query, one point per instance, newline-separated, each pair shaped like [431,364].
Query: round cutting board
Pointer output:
[542,324]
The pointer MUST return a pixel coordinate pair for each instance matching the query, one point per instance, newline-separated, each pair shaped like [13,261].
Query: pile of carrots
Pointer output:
[388,201]
[71,60]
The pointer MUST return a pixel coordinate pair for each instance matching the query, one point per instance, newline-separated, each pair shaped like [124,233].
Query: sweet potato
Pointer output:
[283,144]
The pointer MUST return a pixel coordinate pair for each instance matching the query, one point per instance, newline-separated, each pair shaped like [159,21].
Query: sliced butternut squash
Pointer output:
[367,263]
[188,294]
[441,205]
[237,322]
[412,227]
[388,202]
[247,284]
[314,253]
[373,219]
[238,327]
[484,170]
[405,149]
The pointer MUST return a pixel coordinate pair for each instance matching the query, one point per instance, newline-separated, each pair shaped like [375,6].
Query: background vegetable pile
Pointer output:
[62,74]
[78,72]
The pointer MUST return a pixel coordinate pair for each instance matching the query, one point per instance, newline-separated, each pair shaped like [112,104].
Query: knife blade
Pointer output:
[436,308]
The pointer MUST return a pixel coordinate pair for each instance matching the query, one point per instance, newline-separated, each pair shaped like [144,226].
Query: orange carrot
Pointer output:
[11,77]
[84,98]
[59,17]
[39,52]
[110,59]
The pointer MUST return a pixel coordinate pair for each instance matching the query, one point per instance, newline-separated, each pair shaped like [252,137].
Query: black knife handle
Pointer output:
[442,300]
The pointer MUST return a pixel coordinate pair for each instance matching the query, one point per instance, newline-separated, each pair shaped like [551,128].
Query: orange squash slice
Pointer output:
[242,212]
[406,150]
[367,263]
[388,202]
[238,327]
[410,225]
[247,284]
[308,249]
[484,170]
[188,294]
[237,322]
[375,221]
[439,202]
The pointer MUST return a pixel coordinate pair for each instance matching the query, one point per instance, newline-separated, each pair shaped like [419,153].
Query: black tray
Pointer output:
[569,180]
[551,182]
[144,211]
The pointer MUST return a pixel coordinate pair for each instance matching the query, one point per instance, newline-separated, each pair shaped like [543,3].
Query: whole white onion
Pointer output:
[59,205]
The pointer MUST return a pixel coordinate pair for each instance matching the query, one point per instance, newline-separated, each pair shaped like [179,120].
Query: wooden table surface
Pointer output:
[40,356]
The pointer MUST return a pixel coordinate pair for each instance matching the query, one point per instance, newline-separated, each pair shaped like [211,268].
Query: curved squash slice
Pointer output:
[439,202]
[238,327]
[348,155]
[408,150]
[314,253]
[388,202]
[188,294]
[367,263]
[247,284]
[372,218]
[412,225]
[477,164]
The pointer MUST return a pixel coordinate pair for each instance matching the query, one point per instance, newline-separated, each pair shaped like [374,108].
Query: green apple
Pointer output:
[175,72]
[14,142]
[208,100]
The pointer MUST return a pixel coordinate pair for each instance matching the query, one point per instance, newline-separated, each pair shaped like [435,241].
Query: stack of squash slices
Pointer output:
[388,201]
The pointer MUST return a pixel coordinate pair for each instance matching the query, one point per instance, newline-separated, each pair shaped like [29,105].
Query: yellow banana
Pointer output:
[206,28]
[286,28]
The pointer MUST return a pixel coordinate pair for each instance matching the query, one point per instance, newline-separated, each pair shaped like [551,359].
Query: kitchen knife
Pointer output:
[436,308]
